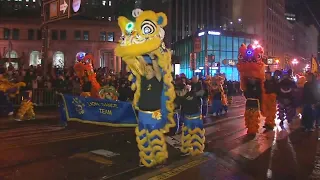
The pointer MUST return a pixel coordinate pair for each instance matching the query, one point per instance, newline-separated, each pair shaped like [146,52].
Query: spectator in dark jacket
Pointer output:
[309,101]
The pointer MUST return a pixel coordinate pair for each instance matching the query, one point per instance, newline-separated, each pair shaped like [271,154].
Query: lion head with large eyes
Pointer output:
[142,36]
[250,62]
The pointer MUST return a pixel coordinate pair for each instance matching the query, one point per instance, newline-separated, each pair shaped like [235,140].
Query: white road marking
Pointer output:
[105,153]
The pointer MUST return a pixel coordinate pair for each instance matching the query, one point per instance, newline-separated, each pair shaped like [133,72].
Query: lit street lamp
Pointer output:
[295,62]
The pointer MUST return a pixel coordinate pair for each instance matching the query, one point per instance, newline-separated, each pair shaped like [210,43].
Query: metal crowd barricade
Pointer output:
[41,97]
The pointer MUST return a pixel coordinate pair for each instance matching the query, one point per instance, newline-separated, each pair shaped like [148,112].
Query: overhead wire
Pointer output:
[310,11]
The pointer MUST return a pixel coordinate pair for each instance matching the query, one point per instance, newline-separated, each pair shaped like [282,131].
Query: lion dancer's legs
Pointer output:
[252,116]
[271,110]
[192,138]
[216,107]
[224,101]
[26,107]
[205,106]
[281,113]
[290,113]
[151,140]
[230,99]
[30,112]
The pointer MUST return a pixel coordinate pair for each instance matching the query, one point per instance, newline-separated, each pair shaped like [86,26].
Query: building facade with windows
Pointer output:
[21,42]
[217,48]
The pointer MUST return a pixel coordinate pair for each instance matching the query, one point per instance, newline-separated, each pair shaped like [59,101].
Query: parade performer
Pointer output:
[208,83]
[143,50]
[217,95]
[192,138]
[224,97]
[251,69]
[285,97]
[108,92]
[84,70]
[8,89]
[301,80]
[26,107]
[270,101]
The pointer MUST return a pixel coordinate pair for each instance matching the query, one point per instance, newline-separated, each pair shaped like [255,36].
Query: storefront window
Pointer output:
[236,44]
[248,41]
[223,44]
[241,41]
[229,55]
[216,45]
[229,43]
[223,55]
[210,42]
[235,54]
[221,47]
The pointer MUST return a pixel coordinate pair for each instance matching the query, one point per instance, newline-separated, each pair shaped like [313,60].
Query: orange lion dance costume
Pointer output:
[252,77]
[84,68]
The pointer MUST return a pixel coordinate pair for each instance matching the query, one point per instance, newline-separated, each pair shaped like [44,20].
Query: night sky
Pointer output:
[299,7]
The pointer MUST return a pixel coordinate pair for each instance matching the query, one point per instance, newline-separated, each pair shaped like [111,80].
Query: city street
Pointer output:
[40,149]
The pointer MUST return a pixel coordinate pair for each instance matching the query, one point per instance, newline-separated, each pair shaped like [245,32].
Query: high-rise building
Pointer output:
[265,18]
[190,16]
[20,8]
[90,9]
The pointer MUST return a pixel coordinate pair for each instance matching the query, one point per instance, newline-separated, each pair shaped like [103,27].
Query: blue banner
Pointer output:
[98,111]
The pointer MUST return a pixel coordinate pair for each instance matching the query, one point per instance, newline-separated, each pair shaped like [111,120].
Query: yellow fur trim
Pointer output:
[252,120]
[26,108]
[192,143]
[269,107]
[156,151]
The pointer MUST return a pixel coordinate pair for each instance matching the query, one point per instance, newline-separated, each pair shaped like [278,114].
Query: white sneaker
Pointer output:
[185,154]
[10,113]
[214,114]
[223,112]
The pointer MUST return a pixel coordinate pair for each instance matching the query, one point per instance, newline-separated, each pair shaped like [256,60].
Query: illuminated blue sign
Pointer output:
[215,33]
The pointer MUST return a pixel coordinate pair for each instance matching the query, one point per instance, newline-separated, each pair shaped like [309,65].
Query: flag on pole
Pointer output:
[314,65]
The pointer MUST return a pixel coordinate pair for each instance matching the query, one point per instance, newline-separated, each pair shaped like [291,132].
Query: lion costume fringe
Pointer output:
[252,76]
[141,41]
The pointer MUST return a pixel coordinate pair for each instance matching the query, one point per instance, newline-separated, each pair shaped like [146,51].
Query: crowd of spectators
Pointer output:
[65,81]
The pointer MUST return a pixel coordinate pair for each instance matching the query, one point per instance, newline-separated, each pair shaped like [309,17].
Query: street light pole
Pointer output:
[44,48]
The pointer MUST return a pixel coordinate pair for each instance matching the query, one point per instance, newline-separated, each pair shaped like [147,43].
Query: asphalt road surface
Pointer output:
[42,150]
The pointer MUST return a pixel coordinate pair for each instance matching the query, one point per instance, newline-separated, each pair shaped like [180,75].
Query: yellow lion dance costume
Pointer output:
[252,77]
[26,107]
[142,48]
[13,89]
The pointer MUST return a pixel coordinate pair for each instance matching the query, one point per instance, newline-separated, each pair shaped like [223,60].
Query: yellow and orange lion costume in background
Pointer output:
[84,68]
[252,76]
